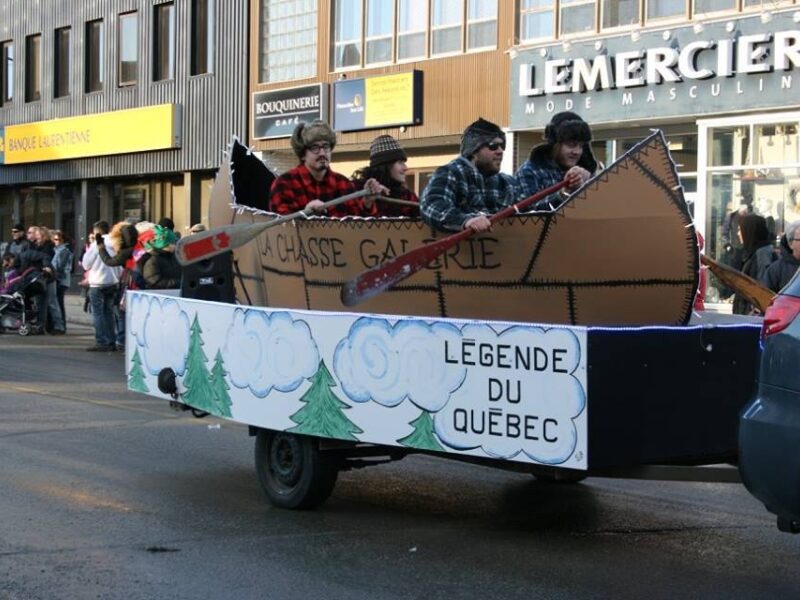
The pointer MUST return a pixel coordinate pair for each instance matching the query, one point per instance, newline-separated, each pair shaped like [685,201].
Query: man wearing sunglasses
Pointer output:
[565,155]
[462,193]
[19,242]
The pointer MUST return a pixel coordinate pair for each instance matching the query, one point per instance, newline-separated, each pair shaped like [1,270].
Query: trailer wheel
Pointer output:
[292,471]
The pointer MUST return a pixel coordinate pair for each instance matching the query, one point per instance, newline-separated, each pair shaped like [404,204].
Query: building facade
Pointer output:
[719,77]
[114,109]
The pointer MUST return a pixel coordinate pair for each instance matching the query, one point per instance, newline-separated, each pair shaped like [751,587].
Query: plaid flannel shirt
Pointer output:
[458,192]
[533,177]
[296,188]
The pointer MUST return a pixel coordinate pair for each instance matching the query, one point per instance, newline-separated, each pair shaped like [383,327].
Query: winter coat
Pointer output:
[162,271]
[62,265]
[779,273]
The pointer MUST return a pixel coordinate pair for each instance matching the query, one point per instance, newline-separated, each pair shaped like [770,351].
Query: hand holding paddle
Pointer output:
[206,244]
[380,278]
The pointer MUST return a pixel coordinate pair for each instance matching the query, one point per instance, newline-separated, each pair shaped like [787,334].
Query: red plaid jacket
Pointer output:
[296,188]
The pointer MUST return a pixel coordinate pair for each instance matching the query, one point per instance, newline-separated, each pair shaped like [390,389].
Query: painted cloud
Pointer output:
[264,350]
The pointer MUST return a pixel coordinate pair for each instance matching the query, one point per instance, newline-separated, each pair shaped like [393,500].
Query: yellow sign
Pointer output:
[390,99]
[118,132]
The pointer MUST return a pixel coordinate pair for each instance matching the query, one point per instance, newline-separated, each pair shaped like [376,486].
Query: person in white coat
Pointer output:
[103,286]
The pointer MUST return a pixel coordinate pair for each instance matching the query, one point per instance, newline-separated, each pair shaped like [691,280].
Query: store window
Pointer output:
[620,13]
[380,26]
[61,60]
[412,29]
[288,38]
[372,32]
[751,167]
[537,20]
[577,16]
[481,24]
[704,7]
[347,34]
[6,72]
[665,9]
[446,22]
[202,37]
[33,68]
[95,56]
[164,41]
[128,49]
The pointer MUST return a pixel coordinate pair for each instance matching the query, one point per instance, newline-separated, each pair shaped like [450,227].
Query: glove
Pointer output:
[98,239]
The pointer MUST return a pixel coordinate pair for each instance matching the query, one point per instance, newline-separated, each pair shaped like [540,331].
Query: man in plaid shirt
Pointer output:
[565,155]
[312,182]
[462,193]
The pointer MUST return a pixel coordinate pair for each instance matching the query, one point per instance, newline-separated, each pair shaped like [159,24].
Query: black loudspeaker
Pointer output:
[210,279]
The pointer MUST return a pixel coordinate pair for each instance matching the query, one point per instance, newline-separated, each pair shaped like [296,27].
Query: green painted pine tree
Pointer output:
[136,380]
[219,387]
[198,393]
[422,437]
[323,414]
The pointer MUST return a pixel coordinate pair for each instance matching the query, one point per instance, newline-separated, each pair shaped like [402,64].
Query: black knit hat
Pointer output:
[385,150]
[478,134]
[567,127]
[18,227]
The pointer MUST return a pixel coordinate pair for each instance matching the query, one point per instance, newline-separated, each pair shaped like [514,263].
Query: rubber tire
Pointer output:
[292,471]
[24,329]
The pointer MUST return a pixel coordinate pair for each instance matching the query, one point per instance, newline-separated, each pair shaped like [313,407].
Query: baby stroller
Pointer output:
[18,311]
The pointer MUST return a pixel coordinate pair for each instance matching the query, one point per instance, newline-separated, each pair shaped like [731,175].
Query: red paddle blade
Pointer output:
[380,278]
[206,244]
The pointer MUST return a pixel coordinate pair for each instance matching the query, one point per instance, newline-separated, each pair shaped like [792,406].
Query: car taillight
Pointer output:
[780,315]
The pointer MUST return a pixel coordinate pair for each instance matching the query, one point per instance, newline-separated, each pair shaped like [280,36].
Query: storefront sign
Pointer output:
[383,101]
[716,67]
[118,132]
[277,113]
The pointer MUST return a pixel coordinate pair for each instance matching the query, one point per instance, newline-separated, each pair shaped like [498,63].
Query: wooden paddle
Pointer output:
[204,245]
[380,278]
[755,293]
[397,201]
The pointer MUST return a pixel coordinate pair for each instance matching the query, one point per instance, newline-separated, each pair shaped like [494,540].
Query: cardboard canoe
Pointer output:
[621,251]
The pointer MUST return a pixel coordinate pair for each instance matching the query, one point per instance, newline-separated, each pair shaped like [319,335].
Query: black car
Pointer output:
[769,428]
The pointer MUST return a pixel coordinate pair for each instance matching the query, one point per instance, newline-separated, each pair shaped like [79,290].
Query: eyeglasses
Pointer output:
[317,148]
[493,146]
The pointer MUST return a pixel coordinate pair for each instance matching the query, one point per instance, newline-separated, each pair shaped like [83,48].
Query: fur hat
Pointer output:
[567,127]
[385,149]
[305,135]
[478,134]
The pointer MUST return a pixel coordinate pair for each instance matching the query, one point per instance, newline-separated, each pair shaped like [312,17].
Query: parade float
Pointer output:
[562,343]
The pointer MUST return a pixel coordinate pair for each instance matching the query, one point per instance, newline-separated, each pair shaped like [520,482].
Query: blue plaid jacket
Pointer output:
[532,177]
[457,192]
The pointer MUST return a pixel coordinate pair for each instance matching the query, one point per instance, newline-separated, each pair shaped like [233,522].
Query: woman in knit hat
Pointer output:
[566,154]
[387,165]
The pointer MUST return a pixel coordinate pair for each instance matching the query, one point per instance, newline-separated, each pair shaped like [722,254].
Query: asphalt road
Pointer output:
[108,494]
